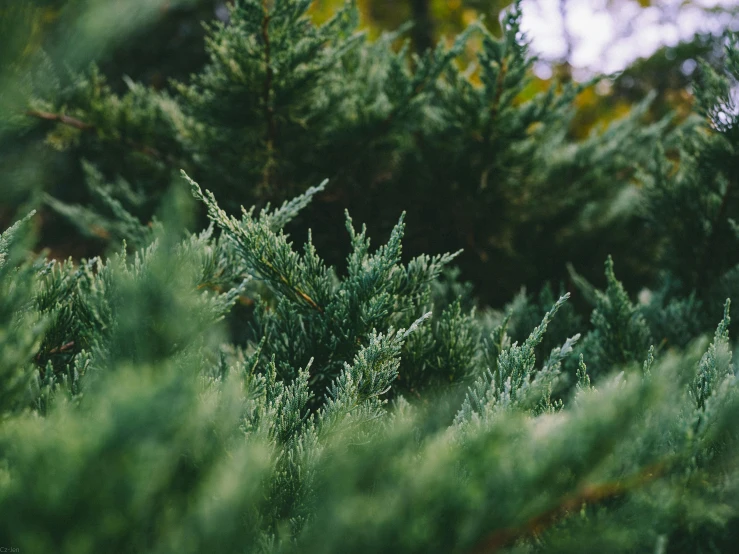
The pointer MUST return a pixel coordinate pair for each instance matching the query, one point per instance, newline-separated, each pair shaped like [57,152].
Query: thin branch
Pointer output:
[89,128]
[299,293]
[56,350]
[587,495]
[61,118]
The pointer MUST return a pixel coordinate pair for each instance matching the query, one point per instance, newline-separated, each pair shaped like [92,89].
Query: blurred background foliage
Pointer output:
[666,70]
[472,173]
[166,41]
[155,41]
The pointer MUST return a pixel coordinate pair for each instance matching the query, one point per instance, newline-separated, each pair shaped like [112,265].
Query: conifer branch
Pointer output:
[589,494]
[312,303]
[498,92]
[58,349]
[90,128]
[243,300]
[62,118]
[320,419]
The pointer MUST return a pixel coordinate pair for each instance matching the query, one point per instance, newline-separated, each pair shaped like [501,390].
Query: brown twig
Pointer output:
[62,348]
[57,350]
[589,494]
[312,303]
[89,128]
[61,118]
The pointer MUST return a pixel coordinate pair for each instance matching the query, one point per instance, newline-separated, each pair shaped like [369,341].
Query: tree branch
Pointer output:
[587,495]
[89,128]
[61,118]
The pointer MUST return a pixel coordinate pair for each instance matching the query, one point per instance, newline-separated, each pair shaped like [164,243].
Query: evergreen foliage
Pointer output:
[473,154]
[620,333]
[235,389]
[692,202]
[288,443]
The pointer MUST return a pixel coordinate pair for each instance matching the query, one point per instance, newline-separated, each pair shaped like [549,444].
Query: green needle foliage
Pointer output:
[346,420]
[254,387]
[693,200]
[473,154]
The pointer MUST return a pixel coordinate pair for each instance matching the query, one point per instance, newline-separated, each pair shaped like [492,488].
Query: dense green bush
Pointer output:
[229,390]
[347,421]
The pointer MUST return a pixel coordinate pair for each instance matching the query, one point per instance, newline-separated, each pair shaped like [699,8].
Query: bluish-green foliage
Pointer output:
[620,333]
[472,154]
[236,389]
[311,437]
[693,201]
